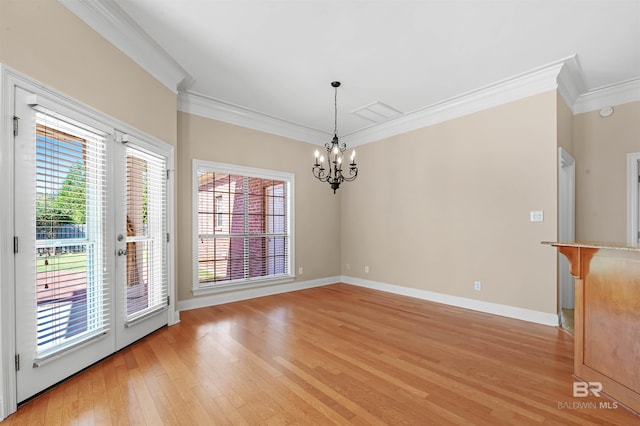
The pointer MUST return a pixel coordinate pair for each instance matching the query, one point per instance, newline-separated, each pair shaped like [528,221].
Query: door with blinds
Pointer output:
[141,265]
[90,222]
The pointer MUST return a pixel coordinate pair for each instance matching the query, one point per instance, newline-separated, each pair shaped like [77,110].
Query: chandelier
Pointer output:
[331,171]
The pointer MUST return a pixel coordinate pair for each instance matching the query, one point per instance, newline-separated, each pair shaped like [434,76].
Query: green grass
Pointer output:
[207,276]
[62,262]
[204,275]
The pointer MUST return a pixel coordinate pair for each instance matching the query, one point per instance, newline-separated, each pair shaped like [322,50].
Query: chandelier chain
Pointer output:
[335,104]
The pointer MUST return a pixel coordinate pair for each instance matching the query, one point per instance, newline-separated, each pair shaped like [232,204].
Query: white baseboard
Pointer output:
[446,299]
[237,295]
[461,302]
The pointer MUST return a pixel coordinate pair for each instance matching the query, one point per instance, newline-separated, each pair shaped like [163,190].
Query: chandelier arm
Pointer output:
[319,173]
[353,171]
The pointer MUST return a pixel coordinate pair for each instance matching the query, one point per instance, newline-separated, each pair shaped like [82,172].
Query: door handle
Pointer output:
[122,252]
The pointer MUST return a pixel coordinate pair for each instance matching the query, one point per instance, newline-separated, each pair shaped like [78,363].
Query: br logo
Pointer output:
[583,389]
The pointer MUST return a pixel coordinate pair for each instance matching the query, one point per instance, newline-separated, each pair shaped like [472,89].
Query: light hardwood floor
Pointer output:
[331,355]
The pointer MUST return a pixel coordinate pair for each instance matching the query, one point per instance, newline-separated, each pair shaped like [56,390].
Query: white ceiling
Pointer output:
[279,57]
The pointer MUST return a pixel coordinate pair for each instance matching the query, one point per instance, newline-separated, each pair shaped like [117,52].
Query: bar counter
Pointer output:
[607,316]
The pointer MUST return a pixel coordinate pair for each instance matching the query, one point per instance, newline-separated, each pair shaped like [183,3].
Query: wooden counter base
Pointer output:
[607,317]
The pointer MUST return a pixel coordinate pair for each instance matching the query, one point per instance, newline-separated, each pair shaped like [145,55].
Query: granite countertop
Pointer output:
[595,244]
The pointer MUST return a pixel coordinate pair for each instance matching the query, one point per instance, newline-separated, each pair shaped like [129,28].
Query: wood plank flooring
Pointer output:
[337,354]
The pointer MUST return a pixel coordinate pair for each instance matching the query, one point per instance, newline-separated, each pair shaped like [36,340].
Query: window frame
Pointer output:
[249,172]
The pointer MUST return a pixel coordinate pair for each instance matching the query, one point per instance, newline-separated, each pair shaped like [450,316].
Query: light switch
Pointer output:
[536,216]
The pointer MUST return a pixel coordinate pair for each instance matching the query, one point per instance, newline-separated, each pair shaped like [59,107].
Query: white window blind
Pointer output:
[244,220]
[146,278]
[71,282]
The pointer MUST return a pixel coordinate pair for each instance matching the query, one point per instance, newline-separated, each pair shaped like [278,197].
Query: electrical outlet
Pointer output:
[477,285]
[300,270]
[366,269]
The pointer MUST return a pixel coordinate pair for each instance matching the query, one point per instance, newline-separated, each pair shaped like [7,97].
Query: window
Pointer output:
[242,226]
[72,295]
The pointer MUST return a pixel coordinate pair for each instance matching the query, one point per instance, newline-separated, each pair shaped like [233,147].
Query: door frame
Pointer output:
[633,227]
[9,79]
[566,224]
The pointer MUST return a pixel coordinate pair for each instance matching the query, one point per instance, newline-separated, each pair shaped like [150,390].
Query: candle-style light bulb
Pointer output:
[335,150]
[322,158]
[353,156]
[317,154]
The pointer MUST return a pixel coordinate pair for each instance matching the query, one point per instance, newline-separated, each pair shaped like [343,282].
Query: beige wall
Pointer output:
[601,145]
[317,209]
[42,39]
[565,125]
[443,206]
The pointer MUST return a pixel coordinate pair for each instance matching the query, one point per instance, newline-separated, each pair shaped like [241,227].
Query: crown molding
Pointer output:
[565,75]
[520,86]
[570,82]
[112,23]
[614,94]
[208,107]
[530,83]
[109,20]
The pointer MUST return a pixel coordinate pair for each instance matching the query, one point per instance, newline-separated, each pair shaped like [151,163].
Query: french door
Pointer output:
[141,242]
[90,226]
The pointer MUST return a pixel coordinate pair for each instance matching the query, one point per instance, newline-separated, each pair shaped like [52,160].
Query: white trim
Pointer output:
[566,224]
[461,302]
[233,286]
[632,197]
[7,291]
[245,294]
[174,316]
[112,23]
[614,94]
[529,83]
[570,83]
[215,109]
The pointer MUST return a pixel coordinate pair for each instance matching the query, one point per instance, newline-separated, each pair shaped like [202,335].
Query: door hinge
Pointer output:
[17,362]
[15,245]
[167,237]
[168,300]
[15,125]
[168,174]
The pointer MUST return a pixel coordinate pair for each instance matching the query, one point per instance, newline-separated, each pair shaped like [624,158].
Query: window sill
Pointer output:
[243,285]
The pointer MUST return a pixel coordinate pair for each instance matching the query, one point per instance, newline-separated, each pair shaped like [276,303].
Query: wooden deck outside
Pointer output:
[332,355]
